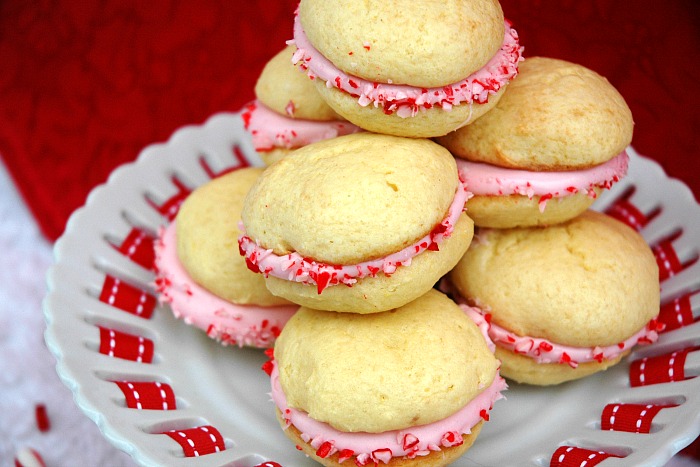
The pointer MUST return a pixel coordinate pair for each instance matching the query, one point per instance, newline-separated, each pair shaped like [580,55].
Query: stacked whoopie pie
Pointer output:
[566,291]
[378,366]
[434,231]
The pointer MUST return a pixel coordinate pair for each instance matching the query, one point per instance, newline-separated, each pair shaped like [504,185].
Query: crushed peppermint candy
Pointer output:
[29,457]
[484,179]
[294,267]
[43,423]
[375,448]
[545,351]
[408,100]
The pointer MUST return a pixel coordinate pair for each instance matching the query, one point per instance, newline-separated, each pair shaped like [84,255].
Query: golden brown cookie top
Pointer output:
[207,240]
[352,198]
[386,371]
[591,281]
[287,90]
[555,115]
[420,43]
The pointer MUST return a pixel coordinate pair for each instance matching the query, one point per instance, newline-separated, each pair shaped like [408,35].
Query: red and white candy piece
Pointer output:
[28,457]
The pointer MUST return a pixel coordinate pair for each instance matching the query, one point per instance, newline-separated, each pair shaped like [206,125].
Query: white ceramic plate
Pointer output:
[224,386]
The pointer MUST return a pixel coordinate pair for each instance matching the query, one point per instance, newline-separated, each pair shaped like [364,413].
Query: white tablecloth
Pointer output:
[27,369]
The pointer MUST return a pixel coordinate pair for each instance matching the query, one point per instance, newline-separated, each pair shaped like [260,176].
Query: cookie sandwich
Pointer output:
[360,223]
[554,141]
[565,301]
[405,68]
[203,278]
[407,387]
[288,111]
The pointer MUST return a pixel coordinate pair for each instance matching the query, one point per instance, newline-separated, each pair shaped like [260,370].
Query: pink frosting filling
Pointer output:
[271,130]
[490,180]
[381,447]
[227,322]
[545,351]
[404,99]
[294,267]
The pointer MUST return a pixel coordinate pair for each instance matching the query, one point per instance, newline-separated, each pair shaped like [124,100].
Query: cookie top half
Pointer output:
[392,370]
[591,281]
[554,116]
[207,234]
[287,90]
[420,43]
[351,199]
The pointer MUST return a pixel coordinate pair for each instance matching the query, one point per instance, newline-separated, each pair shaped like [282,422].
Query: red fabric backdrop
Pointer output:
[85,85]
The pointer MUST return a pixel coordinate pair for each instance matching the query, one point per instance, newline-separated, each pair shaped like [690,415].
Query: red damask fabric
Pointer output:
[86,85]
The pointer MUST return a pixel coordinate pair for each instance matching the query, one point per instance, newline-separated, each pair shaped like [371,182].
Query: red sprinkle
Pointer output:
[345,454]
[252,266]
[409,441]
[42,418]
[267,367]
[484,414]
[383,455]
[322,281]
[451,438]
[324,450]
[565,358]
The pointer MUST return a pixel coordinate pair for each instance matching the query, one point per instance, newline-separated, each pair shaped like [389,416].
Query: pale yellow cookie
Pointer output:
[284,88]
[503,212]
[427,123]
[554,116]
[591,281]
[526,370]
[274,155]
[353,199]
[386,371]
[207,234]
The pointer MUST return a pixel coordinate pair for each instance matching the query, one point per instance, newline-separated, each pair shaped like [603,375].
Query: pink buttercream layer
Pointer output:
[489,180]
[229,323]
[545,351]
[375,447]
[270,130]
[407,100]
[294,267]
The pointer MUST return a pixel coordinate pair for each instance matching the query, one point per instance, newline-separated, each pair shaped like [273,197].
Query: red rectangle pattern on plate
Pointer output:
[660,369]
[138,246]
[626,212]
[198,441]
[127,298]
[148,395]
[572,456]
[632,418]
[127,346]
[676,313]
